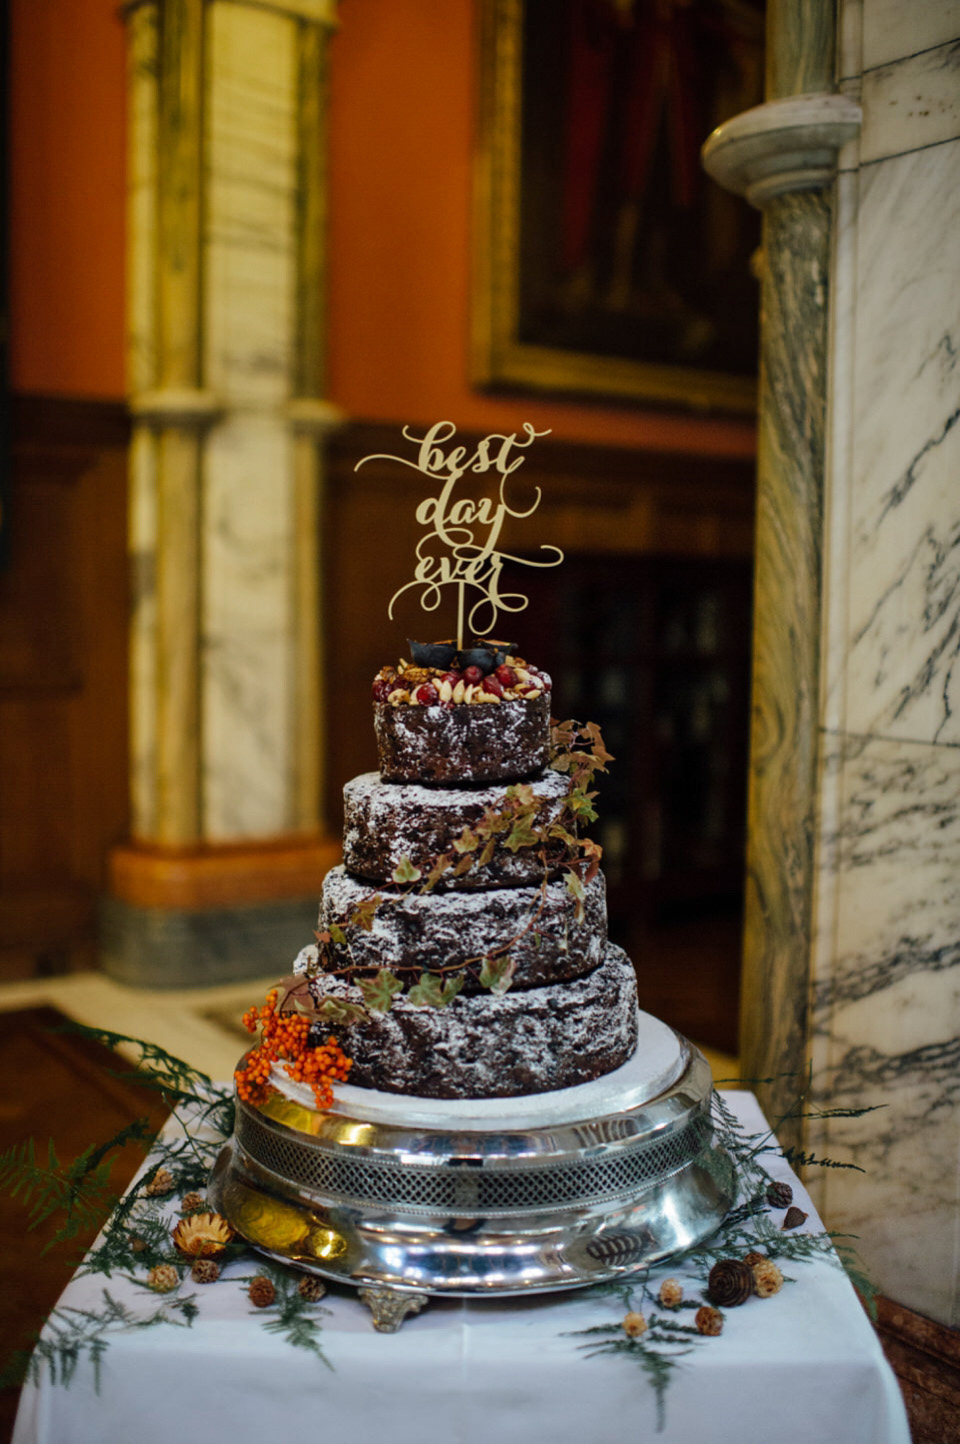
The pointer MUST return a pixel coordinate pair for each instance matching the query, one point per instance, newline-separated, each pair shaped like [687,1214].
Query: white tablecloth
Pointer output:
[802,1366]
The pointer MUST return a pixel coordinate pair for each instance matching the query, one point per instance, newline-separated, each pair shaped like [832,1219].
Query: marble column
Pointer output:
[864,976]
[226,344]
[782,156]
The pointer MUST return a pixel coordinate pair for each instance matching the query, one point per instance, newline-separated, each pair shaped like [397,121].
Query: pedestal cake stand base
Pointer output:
[407,1197]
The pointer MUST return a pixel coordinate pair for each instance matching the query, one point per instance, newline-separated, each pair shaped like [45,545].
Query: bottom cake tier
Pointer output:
[517,1043]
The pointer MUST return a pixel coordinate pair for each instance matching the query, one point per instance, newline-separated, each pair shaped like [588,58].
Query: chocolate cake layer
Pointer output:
[434,932]
[492,1047]
[495,742]
[385,822]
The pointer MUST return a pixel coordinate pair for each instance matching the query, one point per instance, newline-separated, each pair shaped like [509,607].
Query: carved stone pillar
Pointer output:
[782,156]
[226,371]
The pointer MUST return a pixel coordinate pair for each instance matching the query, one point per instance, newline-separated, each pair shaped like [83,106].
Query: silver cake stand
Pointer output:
[405,1197]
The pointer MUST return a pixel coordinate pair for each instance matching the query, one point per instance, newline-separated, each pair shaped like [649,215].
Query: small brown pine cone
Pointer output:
[767,1278]
[671,1294]
[634,1325]
[192,1203]
[262,1292]
[160,1184]
[163,1278]
[752,1259]
[794,1218]
[708,1321]
[138,1244]
[779,1195]
[730,1282]
[205,1271]
[311,1288]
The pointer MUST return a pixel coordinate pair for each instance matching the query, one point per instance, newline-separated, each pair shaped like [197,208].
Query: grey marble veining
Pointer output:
[904,583]
[911,103]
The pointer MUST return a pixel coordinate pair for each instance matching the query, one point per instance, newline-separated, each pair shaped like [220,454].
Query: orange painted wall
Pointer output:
[68,162]
[402,125]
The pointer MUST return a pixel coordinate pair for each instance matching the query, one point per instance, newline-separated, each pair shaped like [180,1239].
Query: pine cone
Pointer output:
[192,1203]
[160,1183]
[767,1278]
[708,1321]
[311,1288]
[671,1294]
[205,1271]
[138,1244]
[795,1217]
[730,1282]
[634,1325]
[779,1195]
[262,1292]
[163,1278]
[752,1259]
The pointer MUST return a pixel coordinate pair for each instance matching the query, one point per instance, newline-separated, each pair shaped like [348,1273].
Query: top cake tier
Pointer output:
[462,725]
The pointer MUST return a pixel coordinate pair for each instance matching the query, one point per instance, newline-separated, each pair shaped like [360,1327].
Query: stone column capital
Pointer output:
[783,145]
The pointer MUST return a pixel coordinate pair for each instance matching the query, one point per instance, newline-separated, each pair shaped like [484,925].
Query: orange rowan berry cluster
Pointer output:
[284,1036]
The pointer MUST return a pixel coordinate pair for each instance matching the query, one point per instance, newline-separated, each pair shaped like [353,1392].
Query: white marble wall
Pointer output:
[886,977]
[249,260]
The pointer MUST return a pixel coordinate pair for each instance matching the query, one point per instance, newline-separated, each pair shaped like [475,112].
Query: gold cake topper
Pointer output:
[460,548]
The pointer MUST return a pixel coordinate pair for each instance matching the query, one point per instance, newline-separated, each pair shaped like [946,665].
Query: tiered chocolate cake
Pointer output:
[462,947]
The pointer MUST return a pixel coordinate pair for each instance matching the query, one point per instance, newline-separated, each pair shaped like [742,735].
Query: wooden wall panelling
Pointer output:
[63,680]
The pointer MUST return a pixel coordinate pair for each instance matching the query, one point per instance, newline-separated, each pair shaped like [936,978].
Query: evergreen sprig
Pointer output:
[290,1314]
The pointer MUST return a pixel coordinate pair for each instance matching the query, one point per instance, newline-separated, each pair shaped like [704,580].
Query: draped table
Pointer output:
[118,1362]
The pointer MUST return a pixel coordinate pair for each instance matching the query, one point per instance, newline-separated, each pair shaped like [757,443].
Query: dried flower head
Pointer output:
[261,1291]
[311,1288]
[767,1278]
[202,1235]
[634,1325]
[161,1183]
[205,1271]
[708,1321]
[163,1278]
[753,1258]
[671,1294]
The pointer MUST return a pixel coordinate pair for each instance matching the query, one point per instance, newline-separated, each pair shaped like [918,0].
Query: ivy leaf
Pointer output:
[378,992]
[521,835]
[594,852]
[522,793]
[492,823]
[443,862]
[364,912]
[497,974]
[433,991]
[600,753]
[337,935]
[293,993]
[487,853]
[406,871]
[335,1010]
[464,865]
[468,841]
[575,889]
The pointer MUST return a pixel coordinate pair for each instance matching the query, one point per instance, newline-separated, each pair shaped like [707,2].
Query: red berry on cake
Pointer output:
[505,675]
[472,675]
[427,695]
[492,684]
[382,689]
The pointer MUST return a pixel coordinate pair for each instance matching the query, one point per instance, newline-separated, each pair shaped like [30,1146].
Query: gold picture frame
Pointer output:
[503,358]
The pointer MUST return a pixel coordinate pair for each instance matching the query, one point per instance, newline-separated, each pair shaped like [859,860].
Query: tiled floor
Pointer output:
[202,1025]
